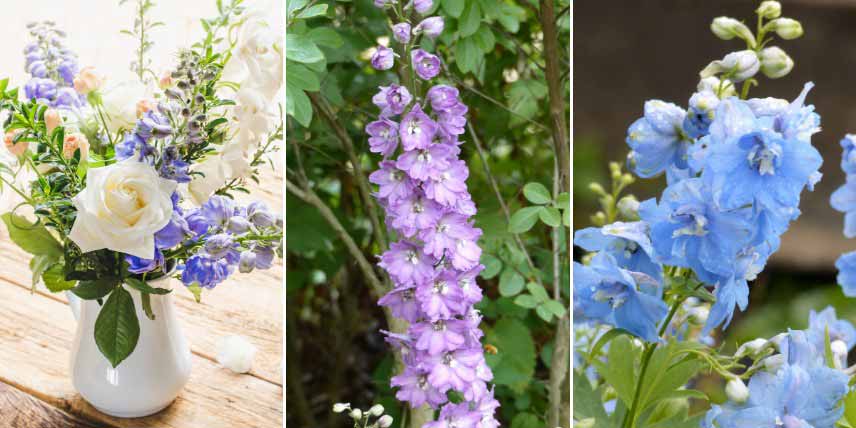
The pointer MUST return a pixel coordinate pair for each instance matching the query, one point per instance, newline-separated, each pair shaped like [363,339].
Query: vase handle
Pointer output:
[74,304]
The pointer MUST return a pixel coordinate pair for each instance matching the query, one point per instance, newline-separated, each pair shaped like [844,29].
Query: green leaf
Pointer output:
[587,403]
[300,77]
[297,104]
[514,363]
[563,201]
[523,97]
[145,287]
[39,264]
[524,219]
[850,408]
[510,15]
[146,299]
[544,313]
[526,420]
[551,216]
[484,39]
[311,12]
[620,372]
[538,292]
[492,266]
[555,307]
[325,36]
[453,7]
[95,289]
[301,48]
[526,301]
[537,193]
[117,329]
[510,282]
[54,279]
[33,238]
[196,290]
[468,55]
[566,218]
[294,5]
[470,19]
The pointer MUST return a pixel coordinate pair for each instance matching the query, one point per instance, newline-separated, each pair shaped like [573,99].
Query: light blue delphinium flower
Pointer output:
[839,329]
[657,140]
[733,291]
[848,155]
[843,199]
[629,300]
[689,230]
[758,159]
[629,243]
[846,265]
[802,393]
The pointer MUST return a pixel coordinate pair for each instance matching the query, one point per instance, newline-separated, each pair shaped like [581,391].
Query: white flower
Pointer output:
[736,390]
[236,353]
[201,187]
[120,104]
[121,208]
[257,56]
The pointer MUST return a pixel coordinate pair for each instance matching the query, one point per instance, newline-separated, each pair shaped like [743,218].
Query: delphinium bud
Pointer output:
[341,407]
[376,410]
[738,66]
[385,421]
[786,28]
[728,28]
[769,9]
[775,63]
[356,414]
[736,390]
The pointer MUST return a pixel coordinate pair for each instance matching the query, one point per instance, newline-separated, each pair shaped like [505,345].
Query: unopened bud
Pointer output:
[787,28]
[385,421]
[750,348]
[596,188]
[376,410]
[628,206]
[615,170]
[356,414]
[599,219]
[775,63]
[769,9]
[839,348]
[699,314]
[736,390]
[774,362]
[627,179]
[739,66]
[728,28]
[341,407]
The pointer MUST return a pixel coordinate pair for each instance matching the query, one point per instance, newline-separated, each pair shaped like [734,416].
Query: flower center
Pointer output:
[439,325]
[440,287]
[693,218]
[413,128]
[424,156]
[412,257]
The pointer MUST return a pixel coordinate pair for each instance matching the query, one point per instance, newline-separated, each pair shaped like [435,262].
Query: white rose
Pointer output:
[257,56]
[121,208]
[201,187]
[120,104]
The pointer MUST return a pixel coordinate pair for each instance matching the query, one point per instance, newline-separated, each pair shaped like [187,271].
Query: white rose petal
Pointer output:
[121,208]
[120,103]
[236,353]
[201,187]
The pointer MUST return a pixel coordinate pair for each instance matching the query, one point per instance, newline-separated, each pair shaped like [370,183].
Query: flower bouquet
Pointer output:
[124,186]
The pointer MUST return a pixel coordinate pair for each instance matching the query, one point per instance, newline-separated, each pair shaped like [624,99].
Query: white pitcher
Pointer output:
[150,378]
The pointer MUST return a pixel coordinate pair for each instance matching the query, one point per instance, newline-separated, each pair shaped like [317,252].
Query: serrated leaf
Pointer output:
[117,328]
[510,282]
[587,403]
[514,363]
[551,216]
[301,48]
[537,193]
[524,219]
[620,372]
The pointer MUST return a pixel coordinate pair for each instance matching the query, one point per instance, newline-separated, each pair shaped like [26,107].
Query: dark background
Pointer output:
[627,52]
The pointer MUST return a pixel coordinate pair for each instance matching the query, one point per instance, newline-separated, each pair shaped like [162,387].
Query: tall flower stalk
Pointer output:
[435,262]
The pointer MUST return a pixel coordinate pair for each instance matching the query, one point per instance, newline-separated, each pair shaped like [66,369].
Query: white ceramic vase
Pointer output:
[150,378]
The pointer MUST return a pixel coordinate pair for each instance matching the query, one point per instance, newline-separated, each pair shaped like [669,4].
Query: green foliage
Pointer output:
[117,328]
[47,252]
[514,363]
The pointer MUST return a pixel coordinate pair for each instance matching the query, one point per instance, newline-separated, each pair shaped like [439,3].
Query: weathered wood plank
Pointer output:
[20,410]
[35,339]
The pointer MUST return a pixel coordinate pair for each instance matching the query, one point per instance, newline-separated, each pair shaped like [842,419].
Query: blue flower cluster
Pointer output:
[797,387]
[844,200]
[52,67]
[219,237]
[735,170]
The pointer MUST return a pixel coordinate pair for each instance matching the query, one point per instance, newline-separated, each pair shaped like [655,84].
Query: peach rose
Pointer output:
[18,148]
[87,80]
[143,106]
[73,142]
[52,119]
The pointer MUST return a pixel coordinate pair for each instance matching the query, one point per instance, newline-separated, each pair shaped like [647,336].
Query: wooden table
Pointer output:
[36,330]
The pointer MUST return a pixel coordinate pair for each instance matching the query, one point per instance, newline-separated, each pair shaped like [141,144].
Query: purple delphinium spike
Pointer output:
[423,191]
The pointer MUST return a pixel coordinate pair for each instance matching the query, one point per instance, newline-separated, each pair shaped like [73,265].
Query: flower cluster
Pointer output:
[796,386]
[422,188]
[53,68]
[844,200]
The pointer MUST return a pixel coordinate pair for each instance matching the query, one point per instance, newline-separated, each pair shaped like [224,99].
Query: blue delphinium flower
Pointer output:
[750,161]
[688,230]
[733,290]
[629,243]
[819,323]
[846,265]
[843,199]
[802,393]
[657,140]
[141,265]
[629,300]
[848,155]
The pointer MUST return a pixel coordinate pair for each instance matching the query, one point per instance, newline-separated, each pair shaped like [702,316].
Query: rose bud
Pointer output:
[52,119]
[87,81]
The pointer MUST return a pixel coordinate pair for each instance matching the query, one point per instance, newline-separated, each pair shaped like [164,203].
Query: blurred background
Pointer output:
[627,52]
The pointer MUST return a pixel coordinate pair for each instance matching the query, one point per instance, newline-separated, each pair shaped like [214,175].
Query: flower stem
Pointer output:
[630,417]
